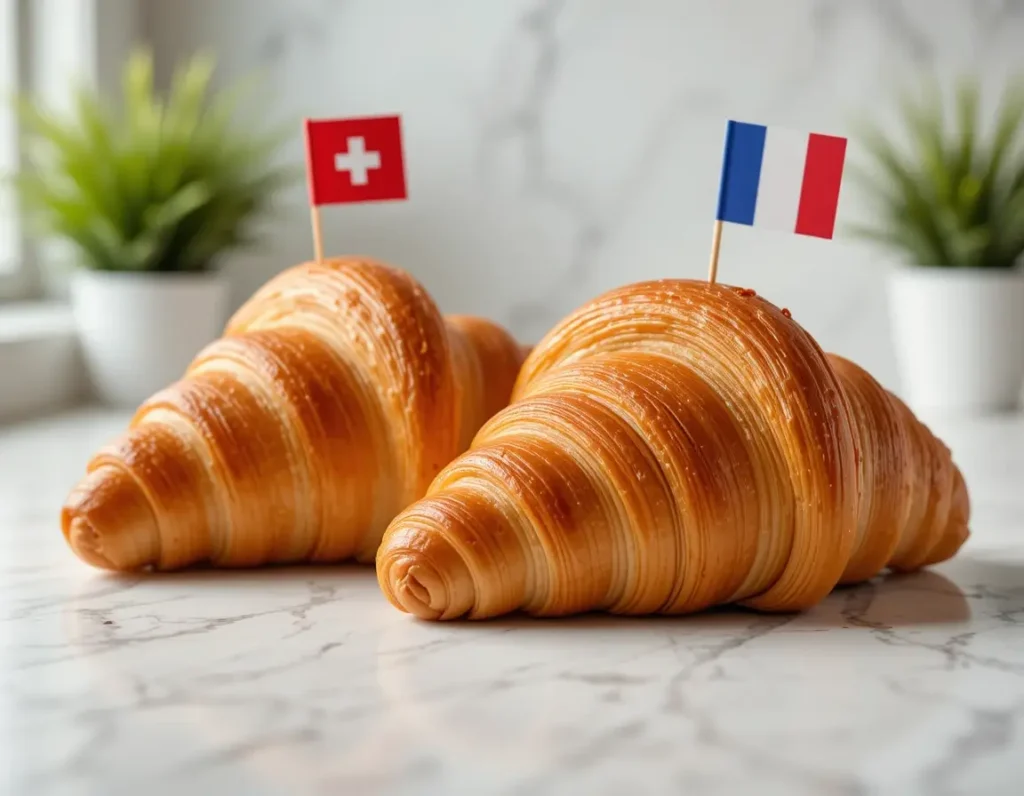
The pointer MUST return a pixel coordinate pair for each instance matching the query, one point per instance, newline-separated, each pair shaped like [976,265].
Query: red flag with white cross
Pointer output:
[353,160]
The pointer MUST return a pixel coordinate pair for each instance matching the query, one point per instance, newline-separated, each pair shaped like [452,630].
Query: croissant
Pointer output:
[334,397]
[671,446]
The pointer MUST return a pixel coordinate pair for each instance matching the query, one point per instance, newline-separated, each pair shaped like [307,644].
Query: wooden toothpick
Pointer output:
[318,235]
[716,244]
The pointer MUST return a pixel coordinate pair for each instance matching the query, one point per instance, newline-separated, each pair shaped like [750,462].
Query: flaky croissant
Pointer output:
[671,446]
[334,397]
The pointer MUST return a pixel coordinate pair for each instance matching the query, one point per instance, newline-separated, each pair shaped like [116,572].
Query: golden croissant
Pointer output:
[334,397]
[671,446]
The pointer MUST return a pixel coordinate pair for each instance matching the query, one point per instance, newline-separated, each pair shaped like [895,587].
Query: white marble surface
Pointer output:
[305,681]
[558,148]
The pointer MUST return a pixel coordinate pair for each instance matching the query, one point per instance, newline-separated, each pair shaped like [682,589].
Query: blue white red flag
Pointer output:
[782,179]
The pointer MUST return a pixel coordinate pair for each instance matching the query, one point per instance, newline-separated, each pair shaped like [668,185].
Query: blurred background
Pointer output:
[554,149]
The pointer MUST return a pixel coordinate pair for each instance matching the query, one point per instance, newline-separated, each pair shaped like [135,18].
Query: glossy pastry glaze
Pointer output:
[334,397]
[671,446]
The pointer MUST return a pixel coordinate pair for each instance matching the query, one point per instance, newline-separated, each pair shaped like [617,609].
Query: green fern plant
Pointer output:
[956,198]
[159,185]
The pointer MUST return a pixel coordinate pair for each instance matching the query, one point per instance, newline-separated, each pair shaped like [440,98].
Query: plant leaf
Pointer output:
[955,198]
[162,185]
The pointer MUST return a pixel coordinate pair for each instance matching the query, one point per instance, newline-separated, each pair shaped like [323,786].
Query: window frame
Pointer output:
[17,282]
[55,41]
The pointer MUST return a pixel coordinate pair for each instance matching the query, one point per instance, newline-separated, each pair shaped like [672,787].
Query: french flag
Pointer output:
[782,179]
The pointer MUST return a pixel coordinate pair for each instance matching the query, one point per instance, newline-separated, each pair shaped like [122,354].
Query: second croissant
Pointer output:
[335,395]
[671,446]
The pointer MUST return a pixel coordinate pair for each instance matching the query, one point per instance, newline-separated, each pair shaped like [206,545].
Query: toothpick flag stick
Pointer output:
[779,178]
[314,207]
[352,160]
[716,244]
[318,233]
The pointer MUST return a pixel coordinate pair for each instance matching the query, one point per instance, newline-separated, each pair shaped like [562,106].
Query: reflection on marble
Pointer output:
[558,148]
[303,680]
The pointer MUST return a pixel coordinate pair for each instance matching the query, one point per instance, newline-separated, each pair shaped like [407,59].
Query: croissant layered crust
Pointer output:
[671,446]
[334,397]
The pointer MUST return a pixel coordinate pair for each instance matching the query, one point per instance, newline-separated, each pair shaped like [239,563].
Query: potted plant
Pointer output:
[148,196]
[952,204]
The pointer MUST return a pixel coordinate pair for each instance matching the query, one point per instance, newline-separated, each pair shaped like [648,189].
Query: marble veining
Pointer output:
[303,680]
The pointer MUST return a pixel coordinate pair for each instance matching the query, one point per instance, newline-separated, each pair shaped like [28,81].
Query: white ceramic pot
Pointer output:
[959,335]
[139,332]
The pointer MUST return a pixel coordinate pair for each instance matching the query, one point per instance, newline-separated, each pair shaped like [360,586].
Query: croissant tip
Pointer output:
[108,521]
[419,590]
[84,540]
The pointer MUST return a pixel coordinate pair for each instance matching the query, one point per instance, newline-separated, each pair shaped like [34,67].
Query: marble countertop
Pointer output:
[305,681]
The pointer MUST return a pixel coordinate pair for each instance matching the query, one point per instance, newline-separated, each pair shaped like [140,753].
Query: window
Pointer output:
[46,47]
[10,229]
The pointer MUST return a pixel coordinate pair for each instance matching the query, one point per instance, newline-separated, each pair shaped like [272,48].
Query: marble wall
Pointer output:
[556,149]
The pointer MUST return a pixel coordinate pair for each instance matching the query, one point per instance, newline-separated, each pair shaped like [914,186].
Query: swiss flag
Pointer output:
[355,160]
